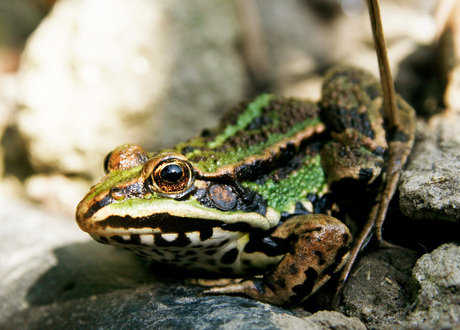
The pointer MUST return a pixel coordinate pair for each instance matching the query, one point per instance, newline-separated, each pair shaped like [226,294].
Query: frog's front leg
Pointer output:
[319,247]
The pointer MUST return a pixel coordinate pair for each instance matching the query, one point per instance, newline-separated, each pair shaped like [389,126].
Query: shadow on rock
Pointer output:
[89,269]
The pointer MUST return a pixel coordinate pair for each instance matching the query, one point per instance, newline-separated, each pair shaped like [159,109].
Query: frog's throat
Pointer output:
[170,216]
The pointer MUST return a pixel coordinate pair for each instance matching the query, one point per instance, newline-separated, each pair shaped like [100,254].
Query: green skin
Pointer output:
[254,195]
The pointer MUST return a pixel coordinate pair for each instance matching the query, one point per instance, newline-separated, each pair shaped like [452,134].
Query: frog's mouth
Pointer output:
[166,231]
[170,216]
[163,223]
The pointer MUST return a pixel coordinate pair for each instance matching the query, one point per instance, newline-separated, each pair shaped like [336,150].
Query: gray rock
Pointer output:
[378,290]
[430,186]
[27,239]
[437,301]
[385,290]
[334,320]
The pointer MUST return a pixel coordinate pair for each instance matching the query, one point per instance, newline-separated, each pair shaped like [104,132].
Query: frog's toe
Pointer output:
[213,282]
[252,288]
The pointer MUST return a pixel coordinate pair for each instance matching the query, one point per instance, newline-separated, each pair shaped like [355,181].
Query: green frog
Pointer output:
[259,196]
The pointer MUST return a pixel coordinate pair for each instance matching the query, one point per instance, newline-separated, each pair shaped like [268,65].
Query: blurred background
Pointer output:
[80,77]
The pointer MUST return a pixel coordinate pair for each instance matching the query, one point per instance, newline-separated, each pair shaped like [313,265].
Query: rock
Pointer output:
[56,192]
[89,83]
[334,320]
[378,290]
[437,301]
[54,276]
[28,237]
[383,290]
[430,186]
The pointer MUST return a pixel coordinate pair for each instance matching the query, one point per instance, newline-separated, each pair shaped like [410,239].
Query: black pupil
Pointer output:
[172,173]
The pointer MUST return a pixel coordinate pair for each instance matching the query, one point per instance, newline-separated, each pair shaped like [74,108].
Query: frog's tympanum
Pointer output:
[261,194]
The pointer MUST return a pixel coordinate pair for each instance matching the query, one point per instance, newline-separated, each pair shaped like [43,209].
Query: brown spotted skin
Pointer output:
[320,247]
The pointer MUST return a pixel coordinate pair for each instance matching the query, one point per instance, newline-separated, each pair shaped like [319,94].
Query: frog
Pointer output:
[263,196]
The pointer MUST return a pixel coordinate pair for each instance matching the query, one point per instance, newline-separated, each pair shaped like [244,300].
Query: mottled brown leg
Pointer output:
[319,248]
[398,154]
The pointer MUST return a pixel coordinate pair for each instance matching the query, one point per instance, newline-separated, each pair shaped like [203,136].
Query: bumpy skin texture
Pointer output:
[257,195]
[352,110]
[254,137]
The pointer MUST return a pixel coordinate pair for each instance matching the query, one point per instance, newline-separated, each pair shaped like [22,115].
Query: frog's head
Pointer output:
[166,193]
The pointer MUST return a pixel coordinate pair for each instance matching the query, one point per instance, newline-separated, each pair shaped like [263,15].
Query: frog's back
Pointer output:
[254,134]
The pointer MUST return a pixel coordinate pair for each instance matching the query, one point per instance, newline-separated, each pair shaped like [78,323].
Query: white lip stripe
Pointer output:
[147,240]
[193,236]
[169,237]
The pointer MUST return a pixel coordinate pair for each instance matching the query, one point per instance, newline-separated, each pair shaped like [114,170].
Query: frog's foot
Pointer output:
[319,246]
[398,154]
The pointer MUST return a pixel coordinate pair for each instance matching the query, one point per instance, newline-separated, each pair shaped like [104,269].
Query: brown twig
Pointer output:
[388,89]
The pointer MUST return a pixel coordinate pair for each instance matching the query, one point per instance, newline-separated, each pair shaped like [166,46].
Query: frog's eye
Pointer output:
[124,157]
[172,176]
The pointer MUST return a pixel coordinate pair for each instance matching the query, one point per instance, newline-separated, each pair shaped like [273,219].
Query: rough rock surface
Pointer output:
[386,290]
[378,288]
[430,186]
[437,300]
